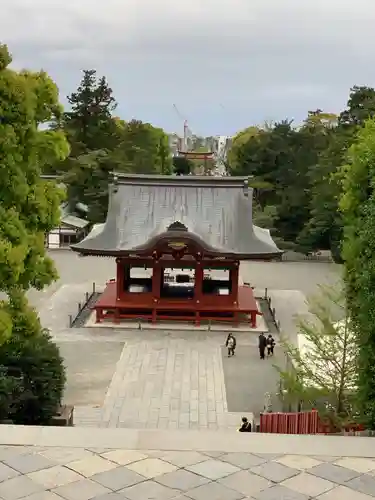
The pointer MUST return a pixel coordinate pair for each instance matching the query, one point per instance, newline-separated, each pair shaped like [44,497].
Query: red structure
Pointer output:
[178,242]
[193,155]
[290,423]
[306,422]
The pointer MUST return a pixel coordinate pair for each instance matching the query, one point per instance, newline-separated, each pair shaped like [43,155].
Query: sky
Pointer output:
[224,64]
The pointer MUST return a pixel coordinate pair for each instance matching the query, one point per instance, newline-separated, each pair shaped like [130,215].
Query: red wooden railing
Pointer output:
[307,422]
[290,423]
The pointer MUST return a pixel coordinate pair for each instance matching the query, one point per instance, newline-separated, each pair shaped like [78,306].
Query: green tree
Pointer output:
[144,149]
[323,230]
[295,176]
[322,372]
[360,106]
[87,178]
[280,157]
[29,205]
[89,124]
[102,143]
[182,165]
[290,164]
[33,370]
[358,206]
[94,135]
[241,138]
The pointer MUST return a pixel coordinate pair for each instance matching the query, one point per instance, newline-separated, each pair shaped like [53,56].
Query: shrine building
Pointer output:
[178,242]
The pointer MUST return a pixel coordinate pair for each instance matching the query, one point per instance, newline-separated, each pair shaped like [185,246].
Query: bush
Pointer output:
[32,379]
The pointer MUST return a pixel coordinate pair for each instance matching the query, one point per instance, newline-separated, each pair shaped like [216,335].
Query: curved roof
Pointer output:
[216,211]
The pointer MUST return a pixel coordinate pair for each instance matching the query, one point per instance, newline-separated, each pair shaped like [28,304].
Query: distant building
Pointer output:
[72,228]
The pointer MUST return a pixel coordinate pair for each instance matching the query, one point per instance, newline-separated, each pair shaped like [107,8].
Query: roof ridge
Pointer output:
[178,180]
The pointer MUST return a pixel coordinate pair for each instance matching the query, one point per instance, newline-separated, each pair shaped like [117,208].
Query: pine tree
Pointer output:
[89,123]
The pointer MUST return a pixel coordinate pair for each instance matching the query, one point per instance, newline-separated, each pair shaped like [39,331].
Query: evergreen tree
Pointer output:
[358,206]
[89,123]
[102,143]
[360,107]
[29,208]
[144,149]
[182,165]
[93,134]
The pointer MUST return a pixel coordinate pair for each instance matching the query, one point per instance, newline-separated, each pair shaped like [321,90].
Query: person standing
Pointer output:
[270,345]
[262,344]
[231,344]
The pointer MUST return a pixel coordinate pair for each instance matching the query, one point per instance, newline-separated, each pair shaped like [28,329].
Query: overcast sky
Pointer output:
[226,64]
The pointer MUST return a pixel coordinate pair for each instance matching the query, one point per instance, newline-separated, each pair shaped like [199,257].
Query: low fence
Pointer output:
[81,306]
[290,423]
[271,309]
[307,422]
[290,256]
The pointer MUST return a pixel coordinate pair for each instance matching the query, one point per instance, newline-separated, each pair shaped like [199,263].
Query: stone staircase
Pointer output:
[92,416]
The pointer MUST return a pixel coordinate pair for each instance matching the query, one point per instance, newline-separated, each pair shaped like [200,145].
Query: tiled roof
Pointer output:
[215,210]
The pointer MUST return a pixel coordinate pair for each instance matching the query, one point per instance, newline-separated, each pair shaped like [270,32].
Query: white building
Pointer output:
[72,229]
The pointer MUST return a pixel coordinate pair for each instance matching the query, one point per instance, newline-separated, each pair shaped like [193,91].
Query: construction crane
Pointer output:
[219,147]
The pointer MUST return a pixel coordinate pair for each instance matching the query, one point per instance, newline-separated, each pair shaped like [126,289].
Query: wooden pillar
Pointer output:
[253,316]
[156,279]
[99,315]
[198,282]
[234,278]
[119,277]
[198,292]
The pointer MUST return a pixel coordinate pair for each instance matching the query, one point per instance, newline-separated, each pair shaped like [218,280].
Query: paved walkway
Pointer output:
[167,383]
[110,473]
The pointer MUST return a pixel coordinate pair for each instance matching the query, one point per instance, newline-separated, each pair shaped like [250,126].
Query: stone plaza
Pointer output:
[167,378]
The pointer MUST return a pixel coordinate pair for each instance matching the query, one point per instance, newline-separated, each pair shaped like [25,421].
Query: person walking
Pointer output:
[231,344]
[270,345]
[262,344]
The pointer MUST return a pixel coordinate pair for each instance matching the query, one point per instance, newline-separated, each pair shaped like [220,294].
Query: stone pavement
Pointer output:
[167,383]
[251,467]
[154,378]
[170,380]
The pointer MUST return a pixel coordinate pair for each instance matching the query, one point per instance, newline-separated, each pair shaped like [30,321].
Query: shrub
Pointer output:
[33,373]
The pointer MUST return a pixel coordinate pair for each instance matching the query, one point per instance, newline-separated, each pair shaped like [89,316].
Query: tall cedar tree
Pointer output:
[93,135]
[89,124]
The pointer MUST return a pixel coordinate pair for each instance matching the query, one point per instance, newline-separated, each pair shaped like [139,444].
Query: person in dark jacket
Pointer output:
[262,345]
[246,425]
[231,344]
[270,345]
